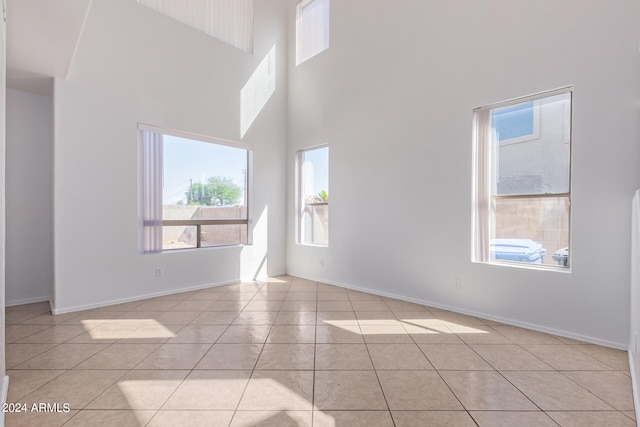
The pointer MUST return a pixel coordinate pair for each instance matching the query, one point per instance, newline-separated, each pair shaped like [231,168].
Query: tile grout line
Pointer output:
[235,411]
[502,375]
[611,367]
[157,411]
[520,345]
[438,371]
[133,369]
[315,341]
[366,345]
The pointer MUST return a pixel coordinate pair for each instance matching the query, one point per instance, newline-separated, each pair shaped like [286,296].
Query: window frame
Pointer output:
[482,230]
[300,203]
[199,223]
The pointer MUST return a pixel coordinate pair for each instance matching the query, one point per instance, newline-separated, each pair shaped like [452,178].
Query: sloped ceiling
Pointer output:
[42,37]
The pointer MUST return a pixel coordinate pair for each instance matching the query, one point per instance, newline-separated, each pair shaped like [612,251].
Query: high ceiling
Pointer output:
[42,37]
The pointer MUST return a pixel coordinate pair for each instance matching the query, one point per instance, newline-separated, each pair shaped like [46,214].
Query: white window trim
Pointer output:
[142,127]
[194,136]
[299,203]
[483,200]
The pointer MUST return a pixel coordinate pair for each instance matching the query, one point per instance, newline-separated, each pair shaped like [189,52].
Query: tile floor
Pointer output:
[291,352]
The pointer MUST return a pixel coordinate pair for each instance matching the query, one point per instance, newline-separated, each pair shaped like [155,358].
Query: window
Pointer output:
[194,191]
[312,28]
[522,197]
[230,21]
[313,196]
[516,123]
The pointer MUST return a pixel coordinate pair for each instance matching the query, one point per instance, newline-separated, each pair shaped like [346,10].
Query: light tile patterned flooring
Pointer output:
[291,352]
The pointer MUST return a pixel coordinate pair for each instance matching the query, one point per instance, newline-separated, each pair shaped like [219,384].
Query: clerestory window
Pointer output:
[312,28]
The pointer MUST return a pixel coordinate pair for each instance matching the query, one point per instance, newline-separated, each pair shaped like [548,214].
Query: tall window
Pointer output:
[312,28]
[522,194]
[230,21]
[194,191]
[313,196]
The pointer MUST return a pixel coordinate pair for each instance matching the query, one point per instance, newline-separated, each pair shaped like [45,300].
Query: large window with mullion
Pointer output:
[194,190]
[522,197]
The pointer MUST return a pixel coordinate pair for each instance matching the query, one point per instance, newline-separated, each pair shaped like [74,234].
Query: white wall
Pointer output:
[393,97]
[29,190]
[3,73]
[135,65]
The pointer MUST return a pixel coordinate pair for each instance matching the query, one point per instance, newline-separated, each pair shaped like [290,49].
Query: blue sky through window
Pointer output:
[187,159]
[319,181]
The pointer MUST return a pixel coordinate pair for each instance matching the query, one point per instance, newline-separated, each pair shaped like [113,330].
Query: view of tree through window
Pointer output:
[217,191]
[205,191]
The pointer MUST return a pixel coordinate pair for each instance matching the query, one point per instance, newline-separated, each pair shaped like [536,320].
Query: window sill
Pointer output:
[206,248]
[315,245]
[529,266]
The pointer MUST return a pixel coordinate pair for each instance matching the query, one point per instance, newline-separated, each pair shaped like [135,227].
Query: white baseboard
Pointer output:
[507,321]
[23,301]
[5,391]
[55,310]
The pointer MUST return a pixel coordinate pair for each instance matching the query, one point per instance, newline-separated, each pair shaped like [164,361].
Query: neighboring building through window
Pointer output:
[313,196]
[195,190]
[522,196]
[312,28]
[516,123]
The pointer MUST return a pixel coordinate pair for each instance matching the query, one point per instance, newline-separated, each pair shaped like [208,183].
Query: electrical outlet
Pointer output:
[322,262]
[458,283]
[158,272]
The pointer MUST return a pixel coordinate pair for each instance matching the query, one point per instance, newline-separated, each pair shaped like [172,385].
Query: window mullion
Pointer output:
[530,196]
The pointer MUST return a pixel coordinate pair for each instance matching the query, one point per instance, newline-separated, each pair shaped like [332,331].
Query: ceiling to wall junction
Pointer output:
[42,37]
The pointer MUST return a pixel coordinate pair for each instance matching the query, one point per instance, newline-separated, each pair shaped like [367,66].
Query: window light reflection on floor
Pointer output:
[220,391]
[110,329]
[413,326]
